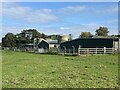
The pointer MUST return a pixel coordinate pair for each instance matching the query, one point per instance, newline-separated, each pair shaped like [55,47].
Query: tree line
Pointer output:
[27,36]
[102,31]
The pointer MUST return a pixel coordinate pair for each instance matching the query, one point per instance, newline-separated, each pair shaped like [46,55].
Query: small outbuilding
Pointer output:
[47,44]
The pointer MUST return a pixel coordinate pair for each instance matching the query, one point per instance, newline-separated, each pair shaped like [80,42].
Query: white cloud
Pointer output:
[0,10]
[76,30]
[27,14]
[64,28]
[42,16]
[109,9]
[9,4]
[72,9]
[11,29]
[114,21]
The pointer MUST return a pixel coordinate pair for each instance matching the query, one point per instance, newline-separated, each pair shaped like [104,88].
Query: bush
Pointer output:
[52,53]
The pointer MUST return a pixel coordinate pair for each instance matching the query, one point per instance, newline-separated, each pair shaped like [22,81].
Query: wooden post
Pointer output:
[79,50]
[96,50]
[64,50]
[104,50]
[87,50]
[113,50]
[73,49]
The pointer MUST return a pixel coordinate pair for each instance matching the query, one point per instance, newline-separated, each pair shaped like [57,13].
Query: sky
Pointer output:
[59,17]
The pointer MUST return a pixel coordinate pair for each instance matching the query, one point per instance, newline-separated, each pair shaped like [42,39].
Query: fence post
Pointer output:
[73,49]
[96,50]
[79,50]
[104,50]
[113,50]
[87,50]
[64,50]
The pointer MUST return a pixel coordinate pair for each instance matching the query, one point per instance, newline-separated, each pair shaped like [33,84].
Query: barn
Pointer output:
[46,44]
[89,43]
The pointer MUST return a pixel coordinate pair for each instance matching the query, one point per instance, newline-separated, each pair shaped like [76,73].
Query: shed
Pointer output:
[89,43]
[46,44]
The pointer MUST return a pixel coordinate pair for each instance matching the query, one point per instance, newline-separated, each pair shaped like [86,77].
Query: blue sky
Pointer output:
[59,17]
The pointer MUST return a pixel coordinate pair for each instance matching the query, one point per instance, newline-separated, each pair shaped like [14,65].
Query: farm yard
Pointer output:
[30,70]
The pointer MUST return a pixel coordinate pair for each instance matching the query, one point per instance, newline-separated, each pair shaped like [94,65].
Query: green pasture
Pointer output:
[29,70]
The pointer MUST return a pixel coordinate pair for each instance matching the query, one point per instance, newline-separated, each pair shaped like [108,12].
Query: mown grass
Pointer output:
[28,70]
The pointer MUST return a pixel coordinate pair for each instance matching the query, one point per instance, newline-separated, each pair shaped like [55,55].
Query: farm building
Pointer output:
[46,44]
[90,43]
[27,47]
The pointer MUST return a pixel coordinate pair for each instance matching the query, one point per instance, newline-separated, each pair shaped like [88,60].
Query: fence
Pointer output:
[79,51]
[96,50]
[73,51]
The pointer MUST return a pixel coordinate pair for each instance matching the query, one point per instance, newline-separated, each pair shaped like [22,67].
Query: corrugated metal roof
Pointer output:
[91,39]
[52,41]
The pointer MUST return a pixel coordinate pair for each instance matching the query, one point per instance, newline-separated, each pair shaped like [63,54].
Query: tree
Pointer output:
[43,36]
[9,40]
[31,33]
[102,31]
[86,35]
[53,37]
[115,35]
[28,36]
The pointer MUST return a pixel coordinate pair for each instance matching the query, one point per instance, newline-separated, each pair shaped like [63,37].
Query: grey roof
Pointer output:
[29,44]
[52,41]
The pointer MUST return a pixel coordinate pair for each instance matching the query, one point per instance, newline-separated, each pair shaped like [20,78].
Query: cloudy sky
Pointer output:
[59,17]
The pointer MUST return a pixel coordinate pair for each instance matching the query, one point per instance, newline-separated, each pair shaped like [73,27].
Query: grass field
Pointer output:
[28,70]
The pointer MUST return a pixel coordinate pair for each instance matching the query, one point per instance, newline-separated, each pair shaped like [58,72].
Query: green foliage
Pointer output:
[43,36]
[53,37]
[52,53]
[115,35]
[25,37]
[31,33]
[29,70]
[9,40]
[102,31]
[20,39]
[86,35]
